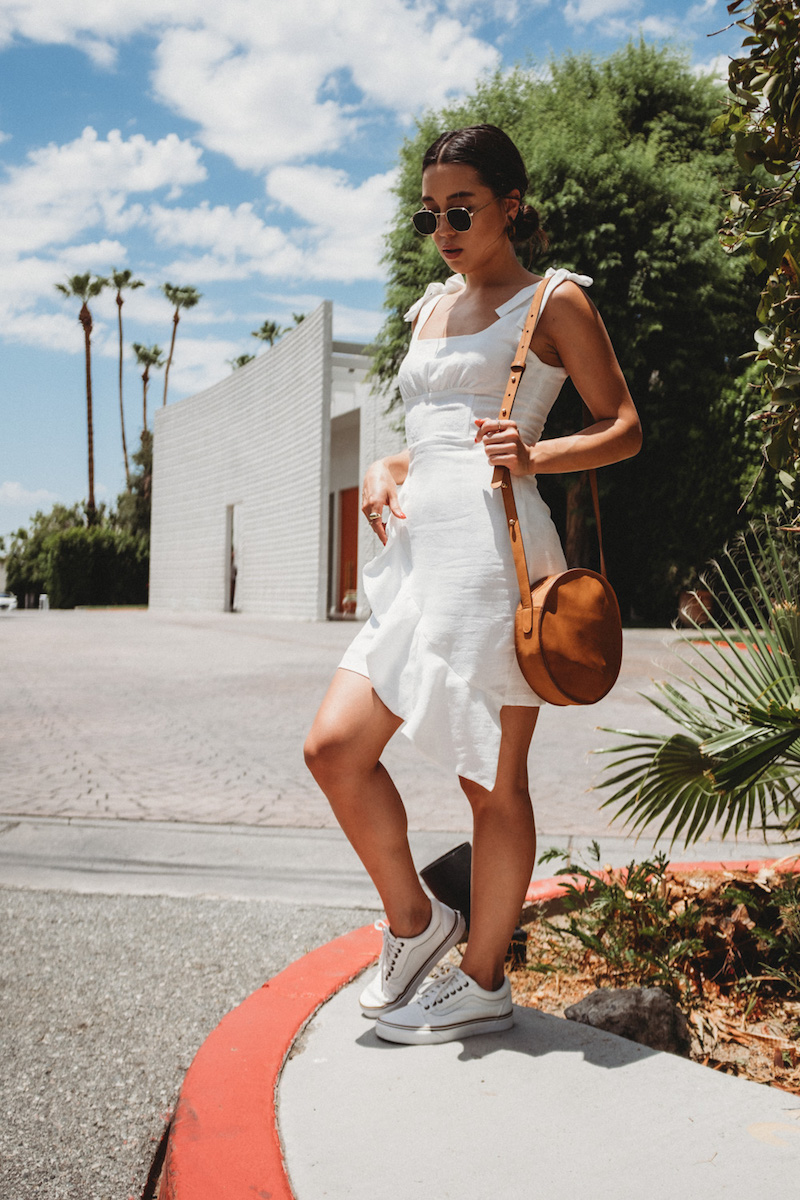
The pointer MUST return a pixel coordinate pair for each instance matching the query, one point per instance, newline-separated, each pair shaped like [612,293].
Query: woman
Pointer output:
[437,656]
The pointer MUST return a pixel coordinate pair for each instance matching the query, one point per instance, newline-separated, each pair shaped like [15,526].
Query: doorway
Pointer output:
[233,530]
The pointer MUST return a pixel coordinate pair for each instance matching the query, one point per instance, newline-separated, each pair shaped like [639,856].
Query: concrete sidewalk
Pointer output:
[551,1108]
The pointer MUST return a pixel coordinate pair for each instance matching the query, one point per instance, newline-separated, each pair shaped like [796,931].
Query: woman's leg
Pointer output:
[503,851]
[342,751]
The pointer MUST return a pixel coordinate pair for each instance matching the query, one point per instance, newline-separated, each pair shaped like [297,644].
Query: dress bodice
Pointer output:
[446,383]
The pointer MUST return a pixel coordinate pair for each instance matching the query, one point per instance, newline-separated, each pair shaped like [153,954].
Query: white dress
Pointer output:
[439,646]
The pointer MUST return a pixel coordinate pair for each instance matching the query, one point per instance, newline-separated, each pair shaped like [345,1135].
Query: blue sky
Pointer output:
[244,147]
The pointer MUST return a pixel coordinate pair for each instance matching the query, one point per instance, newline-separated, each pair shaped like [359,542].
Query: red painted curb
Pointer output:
[224,1140]
[553,889]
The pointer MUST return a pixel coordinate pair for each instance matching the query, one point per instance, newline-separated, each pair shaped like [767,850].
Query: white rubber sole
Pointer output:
[455,936]
[425,1035]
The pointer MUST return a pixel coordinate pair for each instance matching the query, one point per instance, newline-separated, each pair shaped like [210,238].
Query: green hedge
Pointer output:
[95,566]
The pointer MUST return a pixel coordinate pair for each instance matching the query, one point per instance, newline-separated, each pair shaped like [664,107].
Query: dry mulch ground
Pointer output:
[753,1034]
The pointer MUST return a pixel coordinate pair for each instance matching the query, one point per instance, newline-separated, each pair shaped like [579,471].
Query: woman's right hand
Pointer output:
[379,491]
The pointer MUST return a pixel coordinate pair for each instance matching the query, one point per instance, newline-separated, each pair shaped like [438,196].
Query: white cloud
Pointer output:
[237,241]
[272,83]
[63,190]
[198,363]
[582,12]
[717,67]
[355,324]
[15,495]
[346,223]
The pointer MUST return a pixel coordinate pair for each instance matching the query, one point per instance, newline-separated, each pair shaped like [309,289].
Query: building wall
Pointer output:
[260,459]
[258,440]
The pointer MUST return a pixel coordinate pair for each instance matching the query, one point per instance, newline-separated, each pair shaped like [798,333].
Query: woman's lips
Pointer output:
[451,251]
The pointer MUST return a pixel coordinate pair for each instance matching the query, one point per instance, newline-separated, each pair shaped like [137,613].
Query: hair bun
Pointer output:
[527,228]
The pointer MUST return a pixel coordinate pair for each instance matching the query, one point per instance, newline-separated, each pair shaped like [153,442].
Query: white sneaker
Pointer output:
[405,962]
[452,1007]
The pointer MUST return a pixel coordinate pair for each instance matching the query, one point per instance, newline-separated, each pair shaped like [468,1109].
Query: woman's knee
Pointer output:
[325,751]
[506,796]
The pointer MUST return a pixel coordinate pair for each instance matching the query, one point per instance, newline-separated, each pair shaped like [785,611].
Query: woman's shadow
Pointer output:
[537,1034]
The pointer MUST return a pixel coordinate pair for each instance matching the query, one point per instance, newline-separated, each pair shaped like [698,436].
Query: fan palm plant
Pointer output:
[86,288]
[736,759]
[121,280]
[181,297]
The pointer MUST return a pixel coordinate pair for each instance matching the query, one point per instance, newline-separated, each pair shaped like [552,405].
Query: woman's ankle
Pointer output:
[411,922]
[489,978]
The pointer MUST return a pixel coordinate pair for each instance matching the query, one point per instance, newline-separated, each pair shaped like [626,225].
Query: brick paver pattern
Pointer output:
[201,717]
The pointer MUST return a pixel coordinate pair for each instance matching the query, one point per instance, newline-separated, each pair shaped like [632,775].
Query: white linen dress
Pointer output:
[439,646]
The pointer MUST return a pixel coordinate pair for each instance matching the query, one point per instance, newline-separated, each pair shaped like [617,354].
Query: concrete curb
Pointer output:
[224,1140]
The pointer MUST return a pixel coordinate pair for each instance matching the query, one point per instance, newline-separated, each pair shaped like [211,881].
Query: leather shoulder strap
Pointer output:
[502,476]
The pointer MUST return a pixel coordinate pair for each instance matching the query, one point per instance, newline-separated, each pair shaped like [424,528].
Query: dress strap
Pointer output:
[432,292]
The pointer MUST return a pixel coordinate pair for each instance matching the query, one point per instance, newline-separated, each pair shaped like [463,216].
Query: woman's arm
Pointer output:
[572,334]
[379,490]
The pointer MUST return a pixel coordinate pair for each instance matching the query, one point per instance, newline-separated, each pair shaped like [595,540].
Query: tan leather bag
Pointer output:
[567,631]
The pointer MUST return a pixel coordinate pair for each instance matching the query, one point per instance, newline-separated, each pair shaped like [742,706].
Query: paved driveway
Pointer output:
[201,717]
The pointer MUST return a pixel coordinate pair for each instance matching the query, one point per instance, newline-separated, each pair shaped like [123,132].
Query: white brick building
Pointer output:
[262,472]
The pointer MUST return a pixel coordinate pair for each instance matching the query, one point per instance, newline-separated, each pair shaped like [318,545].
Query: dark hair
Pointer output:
[499,164]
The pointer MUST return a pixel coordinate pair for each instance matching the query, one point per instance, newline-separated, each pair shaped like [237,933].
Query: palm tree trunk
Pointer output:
[145,380]
[85,319]
[175,320]
[120,302]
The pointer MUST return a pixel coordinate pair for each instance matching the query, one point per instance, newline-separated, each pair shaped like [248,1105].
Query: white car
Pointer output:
[7,602]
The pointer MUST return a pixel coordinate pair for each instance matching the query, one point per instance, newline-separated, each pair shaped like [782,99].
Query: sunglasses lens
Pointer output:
[459,219]
[424,221]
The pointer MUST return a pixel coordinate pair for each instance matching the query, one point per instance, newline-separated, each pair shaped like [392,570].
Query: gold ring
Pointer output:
[373,516]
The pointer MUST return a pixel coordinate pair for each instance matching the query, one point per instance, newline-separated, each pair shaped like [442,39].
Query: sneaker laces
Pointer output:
[449,980]
[390,949]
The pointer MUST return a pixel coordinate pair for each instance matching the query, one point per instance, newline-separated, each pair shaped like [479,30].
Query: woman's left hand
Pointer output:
[503,445]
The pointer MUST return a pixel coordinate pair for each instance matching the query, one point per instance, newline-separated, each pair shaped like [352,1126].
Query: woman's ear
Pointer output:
[513,202]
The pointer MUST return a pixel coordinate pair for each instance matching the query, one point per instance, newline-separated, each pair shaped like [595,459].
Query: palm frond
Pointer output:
[736,760]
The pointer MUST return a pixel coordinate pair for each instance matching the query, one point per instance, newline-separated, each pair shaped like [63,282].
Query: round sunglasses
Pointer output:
[426,221]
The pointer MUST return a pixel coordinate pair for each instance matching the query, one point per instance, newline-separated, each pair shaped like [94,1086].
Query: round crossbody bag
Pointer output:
[567,630]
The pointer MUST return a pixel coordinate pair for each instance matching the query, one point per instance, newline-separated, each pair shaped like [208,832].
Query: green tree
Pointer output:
[78,562]
[181,297]
[268,332]
[85,288]
[133,505]
[120,280]
[147,357]
[763,120]
[627,178]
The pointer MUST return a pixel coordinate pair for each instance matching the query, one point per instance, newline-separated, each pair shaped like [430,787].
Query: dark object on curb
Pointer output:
[448,878]
[643,1015]
[517,953]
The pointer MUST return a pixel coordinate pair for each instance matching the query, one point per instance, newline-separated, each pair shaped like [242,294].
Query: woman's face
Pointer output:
[455,185]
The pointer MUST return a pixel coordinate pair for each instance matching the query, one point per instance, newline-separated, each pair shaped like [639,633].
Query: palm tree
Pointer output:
[85,288]
[147,357]
[269,332]
[737,755]
[181,297]
[241,361]
[120,280]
